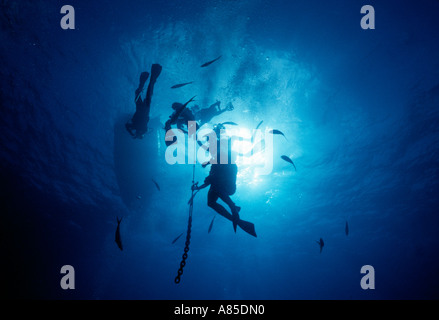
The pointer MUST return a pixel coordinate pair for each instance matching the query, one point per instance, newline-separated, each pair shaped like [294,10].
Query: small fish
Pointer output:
[156,184]
[287,159]
[230,123]
[253,136]
[274,131]
[321,244]
[118,239]
[175,240]
[181,85]
[139,197]
[259,124]
[211,225]
[346,228]
[210,62]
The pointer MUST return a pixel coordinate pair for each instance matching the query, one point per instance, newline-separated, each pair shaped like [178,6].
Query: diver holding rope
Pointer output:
[222,182]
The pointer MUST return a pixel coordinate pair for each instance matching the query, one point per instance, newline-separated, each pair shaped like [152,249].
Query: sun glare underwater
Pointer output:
[345,174]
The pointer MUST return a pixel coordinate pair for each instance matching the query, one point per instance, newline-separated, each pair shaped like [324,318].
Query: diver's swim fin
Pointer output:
[235,217]
[247,227]
[156,69]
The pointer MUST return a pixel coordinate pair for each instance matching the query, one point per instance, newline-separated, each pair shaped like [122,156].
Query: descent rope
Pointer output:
[186,248]
[189,225]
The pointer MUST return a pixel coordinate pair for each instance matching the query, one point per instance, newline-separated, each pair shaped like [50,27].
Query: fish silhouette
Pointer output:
[211,225]
[175,240]
[118,238]
[156,184]
[181,85]
[275,131]
[210,62]
[177,113]
[346,228]
[287,159]
[230,123]
[257,127]
[321,244]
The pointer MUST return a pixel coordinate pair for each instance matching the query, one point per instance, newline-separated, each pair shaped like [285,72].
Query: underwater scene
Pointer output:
[219,149]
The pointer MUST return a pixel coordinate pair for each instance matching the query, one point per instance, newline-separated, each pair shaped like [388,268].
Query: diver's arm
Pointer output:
[204,185]
[218,103]
[229,107]
[196,187]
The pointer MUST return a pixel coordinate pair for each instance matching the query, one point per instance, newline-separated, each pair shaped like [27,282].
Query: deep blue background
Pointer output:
[360,109]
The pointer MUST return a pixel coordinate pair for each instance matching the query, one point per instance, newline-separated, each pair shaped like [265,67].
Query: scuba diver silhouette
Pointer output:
[205,115]
[222,182]
[181,116]
[139,121]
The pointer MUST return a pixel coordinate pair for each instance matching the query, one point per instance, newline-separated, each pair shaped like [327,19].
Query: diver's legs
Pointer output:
[212,198]
[143,77]
[235,215]
[143,107]
[227,200]
[156,69]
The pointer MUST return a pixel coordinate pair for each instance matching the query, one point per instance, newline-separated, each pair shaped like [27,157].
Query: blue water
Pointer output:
[359,108]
